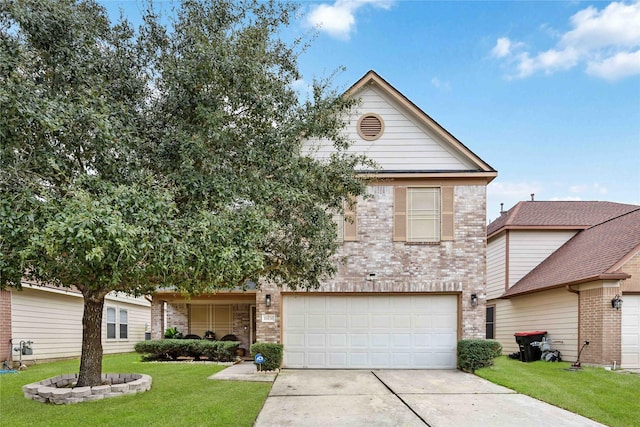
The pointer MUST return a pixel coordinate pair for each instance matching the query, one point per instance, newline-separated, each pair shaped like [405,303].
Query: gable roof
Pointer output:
[372,78]
[536,215]
[596,253]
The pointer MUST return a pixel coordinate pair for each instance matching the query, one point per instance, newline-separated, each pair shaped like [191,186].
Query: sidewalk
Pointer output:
[244,371]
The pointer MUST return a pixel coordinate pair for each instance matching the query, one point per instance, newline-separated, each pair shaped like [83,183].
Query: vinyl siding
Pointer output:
[405,145]
[527,249]
[554,311]
[53,321]
[496,266]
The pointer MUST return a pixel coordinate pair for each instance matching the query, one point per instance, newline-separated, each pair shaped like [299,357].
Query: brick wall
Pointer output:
[242,324]
[267,330]
[632,267]
[178,316]
[157,319]
[457,266]
[600,324]
[5,325]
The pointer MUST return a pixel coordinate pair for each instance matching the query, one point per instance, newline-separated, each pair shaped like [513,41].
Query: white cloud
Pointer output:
[606,41]
[504,47]
[566,199]
[595,188]
[621,65]
[338,19]
[445,85]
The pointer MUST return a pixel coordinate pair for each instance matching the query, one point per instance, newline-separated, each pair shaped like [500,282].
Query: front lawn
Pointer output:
[181,394]
[610,398]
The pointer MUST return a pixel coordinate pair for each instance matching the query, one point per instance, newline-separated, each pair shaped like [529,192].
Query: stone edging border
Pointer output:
[61,389]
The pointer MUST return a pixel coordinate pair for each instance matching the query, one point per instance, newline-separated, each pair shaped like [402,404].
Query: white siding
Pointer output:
[496,266]
[405,144]
[528,248]
[554,311]
[139,313]
[53,321]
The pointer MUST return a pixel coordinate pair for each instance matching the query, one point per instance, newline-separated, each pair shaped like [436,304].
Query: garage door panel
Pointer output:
[358,321]
[338,340]
[316,340]
[359,340]
[373,331]
[380,321]
[337,321]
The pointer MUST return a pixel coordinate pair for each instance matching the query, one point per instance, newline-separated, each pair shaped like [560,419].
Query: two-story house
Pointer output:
[413,280]
[569,268]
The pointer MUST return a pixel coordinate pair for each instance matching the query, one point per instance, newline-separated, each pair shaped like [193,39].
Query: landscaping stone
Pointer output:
[114,385]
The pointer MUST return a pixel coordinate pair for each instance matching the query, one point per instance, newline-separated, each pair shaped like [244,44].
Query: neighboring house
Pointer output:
[557,266]
[415,255]
[51,318]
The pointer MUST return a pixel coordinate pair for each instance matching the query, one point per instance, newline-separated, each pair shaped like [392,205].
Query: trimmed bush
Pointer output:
[476,354]
[271,352]
[172,349]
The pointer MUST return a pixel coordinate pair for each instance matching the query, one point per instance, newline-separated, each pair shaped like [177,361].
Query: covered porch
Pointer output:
[223,313]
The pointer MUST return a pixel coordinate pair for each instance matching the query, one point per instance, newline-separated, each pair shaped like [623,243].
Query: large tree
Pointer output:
[165,155]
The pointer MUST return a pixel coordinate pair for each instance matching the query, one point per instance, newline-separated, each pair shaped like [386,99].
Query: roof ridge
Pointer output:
[613,218]
[513,214]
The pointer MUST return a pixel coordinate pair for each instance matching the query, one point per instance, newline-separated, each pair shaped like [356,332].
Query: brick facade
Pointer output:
[5,325]
[242,324]
[178,317]
[157,319]
[632,267]
[457,266]
[600,324]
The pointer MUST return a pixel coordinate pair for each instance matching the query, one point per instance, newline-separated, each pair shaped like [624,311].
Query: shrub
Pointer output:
[271,352]
[475,354]
[172,333]
[172,349]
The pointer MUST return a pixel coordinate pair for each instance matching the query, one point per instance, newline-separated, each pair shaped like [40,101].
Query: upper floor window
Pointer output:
[346,224]
[423,214]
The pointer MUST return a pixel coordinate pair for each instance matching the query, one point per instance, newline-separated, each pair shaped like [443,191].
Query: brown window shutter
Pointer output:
[350,223]
[400,214]
[446,216]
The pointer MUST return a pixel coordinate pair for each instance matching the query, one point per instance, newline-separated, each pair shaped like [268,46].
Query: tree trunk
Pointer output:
[91,358]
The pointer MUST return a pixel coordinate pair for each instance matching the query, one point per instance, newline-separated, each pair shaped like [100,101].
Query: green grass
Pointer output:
[611,398]
[181,394]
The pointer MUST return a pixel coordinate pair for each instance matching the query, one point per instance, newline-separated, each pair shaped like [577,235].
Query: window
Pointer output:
[423,214]
[124,324]
[338,218]
[111,323]
[117,327]
[347,227]
[491,322]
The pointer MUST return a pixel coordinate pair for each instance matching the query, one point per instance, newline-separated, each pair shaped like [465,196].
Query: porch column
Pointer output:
[157,319]
[268,318]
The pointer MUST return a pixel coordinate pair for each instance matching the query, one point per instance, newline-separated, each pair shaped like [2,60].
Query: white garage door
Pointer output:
[373,331]
[631,331]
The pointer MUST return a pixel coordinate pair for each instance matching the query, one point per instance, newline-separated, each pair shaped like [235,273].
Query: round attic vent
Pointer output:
[370,126]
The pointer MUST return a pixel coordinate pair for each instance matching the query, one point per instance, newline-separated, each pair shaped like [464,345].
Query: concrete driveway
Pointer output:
[402,398]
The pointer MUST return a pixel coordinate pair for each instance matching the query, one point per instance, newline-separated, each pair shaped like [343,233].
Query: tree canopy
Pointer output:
[165,155]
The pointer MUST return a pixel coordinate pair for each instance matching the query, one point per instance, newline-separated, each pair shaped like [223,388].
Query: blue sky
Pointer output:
[546,92]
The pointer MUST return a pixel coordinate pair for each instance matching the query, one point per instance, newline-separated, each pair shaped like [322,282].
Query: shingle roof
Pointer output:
[594,253]
[543,214]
